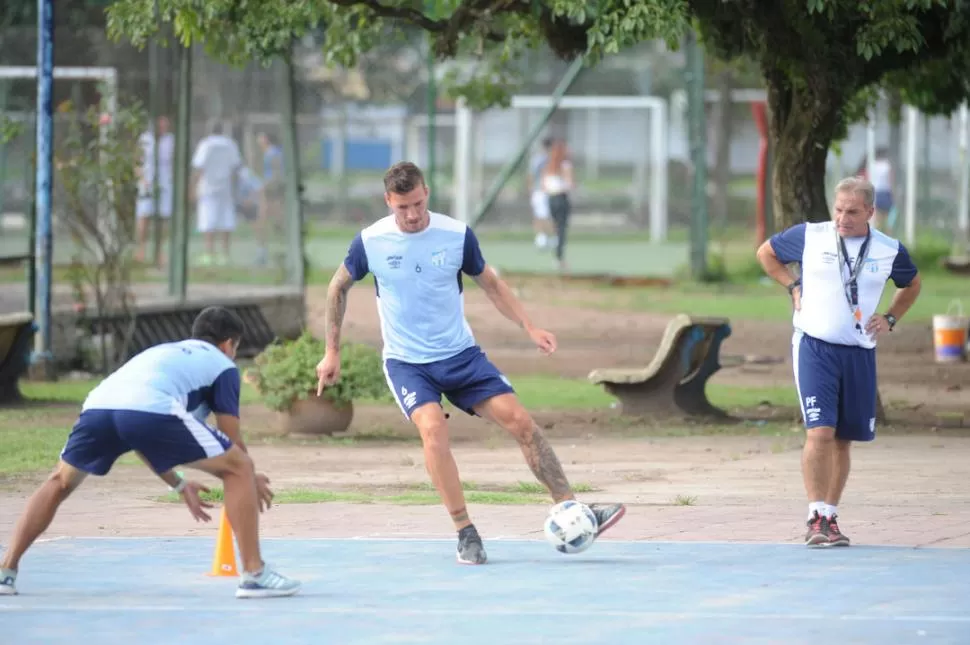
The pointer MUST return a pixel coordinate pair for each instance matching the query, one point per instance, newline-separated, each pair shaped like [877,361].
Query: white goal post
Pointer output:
[109,75]
[657,157]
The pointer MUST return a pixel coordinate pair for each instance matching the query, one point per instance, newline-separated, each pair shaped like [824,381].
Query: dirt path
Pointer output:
[904,489]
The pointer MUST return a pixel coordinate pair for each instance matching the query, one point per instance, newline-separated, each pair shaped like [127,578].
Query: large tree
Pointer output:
[822,60]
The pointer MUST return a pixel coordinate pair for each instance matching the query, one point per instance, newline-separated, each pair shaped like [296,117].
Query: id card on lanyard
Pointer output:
[851,287]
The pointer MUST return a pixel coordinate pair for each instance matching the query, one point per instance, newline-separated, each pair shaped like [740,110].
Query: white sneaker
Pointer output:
[267,584]
[8,578]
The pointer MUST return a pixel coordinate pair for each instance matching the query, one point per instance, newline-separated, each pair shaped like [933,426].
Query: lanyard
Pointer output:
[851,288]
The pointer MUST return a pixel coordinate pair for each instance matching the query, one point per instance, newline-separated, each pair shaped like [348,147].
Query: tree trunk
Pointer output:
[802,125]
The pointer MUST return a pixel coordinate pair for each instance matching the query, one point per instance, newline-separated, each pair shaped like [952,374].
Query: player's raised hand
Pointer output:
[197,506]
[328,371]
[544,340]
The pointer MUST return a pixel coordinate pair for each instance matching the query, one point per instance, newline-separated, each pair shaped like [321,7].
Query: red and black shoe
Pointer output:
[607,515]
[817,533]
[832,532]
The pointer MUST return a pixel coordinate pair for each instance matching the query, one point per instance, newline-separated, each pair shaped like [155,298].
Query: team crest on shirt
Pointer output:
[438,258]
[871,265]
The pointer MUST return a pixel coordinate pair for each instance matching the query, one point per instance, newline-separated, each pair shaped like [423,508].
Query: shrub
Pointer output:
[287,371]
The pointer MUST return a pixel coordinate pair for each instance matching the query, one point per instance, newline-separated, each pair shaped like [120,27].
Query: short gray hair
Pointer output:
[859,186]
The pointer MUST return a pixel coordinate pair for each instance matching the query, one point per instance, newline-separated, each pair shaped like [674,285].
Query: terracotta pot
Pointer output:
[316,415]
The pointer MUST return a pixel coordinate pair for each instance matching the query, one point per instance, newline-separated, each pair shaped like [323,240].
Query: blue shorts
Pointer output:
[884,200]
[466,379]
[836,387]
[166,440]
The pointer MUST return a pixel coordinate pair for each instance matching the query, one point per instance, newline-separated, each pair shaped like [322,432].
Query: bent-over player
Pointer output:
[417,258]
[155,405]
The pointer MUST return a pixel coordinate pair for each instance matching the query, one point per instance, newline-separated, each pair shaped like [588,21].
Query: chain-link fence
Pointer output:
[631,155]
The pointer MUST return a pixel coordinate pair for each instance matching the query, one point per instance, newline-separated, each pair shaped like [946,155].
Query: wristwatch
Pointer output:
[891,319]
[791,287]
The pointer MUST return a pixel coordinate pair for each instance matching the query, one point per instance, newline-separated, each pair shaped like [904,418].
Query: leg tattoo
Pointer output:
[459,516]
[544,464]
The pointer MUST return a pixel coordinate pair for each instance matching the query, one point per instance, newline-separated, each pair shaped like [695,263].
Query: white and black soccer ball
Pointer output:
[571,527]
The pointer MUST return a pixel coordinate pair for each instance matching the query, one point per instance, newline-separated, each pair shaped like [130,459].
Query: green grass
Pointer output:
[31,438]
[555,393]
[408,498]
[540,391]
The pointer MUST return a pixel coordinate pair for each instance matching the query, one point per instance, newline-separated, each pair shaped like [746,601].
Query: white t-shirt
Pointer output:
[217,157]
[166,157]
[190,375]
[881,175]
[556,184]
[825,313]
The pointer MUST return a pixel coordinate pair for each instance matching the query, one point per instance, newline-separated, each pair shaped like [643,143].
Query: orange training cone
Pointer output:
[224,561]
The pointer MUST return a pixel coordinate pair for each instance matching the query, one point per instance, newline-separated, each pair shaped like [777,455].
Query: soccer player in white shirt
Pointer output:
[845,264]
[156,404]
[215,164]
[145,206]
[417,258]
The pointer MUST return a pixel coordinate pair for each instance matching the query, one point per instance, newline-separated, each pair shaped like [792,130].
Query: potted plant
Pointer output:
[285,376]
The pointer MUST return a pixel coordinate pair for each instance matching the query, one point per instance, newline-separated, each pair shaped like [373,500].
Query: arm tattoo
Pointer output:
[337,306]
[544,464]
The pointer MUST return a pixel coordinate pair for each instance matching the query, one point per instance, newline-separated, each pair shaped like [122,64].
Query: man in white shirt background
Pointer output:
[214,166]
[145,206]
[845,265]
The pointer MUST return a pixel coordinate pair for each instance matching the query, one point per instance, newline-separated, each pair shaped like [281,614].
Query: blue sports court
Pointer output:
[127,591]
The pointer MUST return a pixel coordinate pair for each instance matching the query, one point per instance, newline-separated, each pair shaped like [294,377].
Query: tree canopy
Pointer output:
[823,61]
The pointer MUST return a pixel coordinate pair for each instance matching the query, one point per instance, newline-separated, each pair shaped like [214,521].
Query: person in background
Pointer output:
[145,206]
[215,165]
[274,193]
[538,199]
[881,178]
[250,200]
[557,183]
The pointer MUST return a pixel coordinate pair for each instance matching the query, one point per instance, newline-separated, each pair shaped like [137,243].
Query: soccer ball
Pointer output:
[571,527]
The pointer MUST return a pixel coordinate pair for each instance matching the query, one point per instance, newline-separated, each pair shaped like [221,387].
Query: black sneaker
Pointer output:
[817,533]
[833,534]
[470,547]
[607,515]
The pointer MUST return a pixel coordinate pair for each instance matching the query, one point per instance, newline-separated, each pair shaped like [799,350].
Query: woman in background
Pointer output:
[881,177]
[557,183]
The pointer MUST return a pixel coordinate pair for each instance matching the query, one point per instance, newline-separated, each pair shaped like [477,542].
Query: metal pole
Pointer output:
[697,126]
[154,107]
[463,132]
[42,359]
[432,109]
[291,155]
[912,116]
[178,257]
[963,208]
[506,173]
[32,243]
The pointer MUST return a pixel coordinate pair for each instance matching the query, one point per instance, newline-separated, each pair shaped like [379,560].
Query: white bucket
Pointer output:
[950,335]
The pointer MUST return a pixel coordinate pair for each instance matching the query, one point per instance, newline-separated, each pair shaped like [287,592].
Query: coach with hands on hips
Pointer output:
[845,265]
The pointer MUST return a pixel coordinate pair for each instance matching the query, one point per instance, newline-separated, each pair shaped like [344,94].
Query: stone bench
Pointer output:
[674,382]
[16,340]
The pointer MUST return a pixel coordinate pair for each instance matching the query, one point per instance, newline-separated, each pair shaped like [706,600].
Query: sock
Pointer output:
[816,506]
[829,511]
